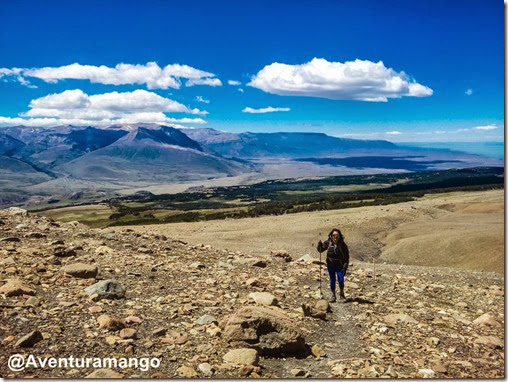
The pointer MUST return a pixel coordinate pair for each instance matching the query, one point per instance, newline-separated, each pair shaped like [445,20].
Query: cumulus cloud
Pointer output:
[201,99]
[361,80]
[234,83]
[240,90]
[150,74]
[268,109]
[204,81]
[469,92]
[393,133]
[485,127]
[78,108]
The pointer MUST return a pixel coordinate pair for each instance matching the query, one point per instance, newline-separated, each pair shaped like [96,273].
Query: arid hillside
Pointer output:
[460,230]
[254,309]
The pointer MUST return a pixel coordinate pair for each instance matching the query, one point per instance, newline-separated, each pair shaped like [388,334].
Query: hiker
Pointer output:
[337,260]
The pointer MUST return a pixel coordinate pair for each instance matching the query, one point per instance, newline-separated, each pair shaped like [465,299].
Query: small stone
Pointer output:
[109,289]
[243,356]
[214,331]
[392,319]
[353,285]
[95,309]
[297,372]
[426,373]
[133,320]
[81,270]
[104,373]
[222,264]
[309,311]
[64,252]
[29,339]
[317,351]
[197,265]
[259,263]
[159,332]
[391,372]
[176,338]
[490,341]
[263,298]
[254,282]
[205,368]
[434,341]
[205,319]
[251,370]
[322,305]
[111,323]
[486,319]
[128,333]
[187,372]
[111,340]
[32,301]
[104,250]
[15,287]
[439,367]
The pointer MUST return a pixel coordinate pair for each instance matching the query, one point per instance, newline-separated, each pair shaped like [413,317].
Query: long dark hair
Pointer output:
[341,238]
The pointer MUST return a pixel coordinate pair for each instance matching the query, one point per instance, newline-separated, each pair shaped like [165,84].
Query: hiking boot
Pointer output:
[333,298]
[341,294]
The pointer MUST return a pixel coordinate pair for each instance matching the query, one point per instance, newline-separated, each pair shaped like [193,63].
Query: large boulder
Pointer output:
[265,329]
[109,289]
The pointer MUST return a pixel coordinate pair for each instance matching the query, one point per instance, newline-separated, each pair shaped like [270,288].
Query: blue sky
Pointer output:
[397,70]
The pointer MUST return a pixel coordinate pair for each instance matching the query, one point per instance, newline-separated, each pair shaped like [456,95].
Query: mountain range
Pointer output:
[38,161]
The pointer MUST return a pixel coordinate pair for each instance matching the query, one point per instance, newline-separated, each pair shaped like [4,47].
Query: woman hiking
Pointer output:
[337,260]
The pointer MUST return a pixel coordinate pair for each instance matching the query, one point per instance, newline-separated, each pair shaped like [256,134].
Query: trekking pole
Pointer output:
[374,268]
[320,289]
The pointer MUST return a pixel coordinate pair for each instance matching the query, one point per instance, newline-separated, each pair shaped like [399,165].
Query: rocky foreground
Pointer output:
[67,290]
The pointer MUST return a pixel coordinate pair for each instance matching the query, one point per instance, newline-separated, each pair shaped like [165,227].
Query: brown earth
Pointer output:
[397,321]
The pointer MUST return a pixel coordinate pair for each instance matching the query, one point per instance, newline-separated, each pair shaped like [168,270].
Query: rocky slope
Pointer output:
[194,307]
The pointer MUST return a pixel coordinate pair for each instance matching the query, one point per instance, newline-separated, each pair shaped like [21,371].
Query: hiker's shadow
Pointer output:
[359,300]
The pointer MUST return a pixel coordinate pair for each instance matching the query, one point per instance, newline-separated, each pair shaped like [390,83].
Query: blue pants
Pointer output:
[331,272]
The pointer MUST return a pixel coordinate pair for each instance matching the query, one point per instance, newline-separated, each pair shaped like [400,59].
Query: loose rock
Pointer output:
[109,289]
[81,270]
[243,356]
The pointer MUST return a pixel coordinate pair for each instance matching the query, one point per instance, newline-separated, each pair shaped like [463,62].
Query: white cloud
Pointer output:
[268,109]
[150,74]
[240,90]
[201,99]
[469,92]
[393,133]
[234,83]
[485,128]
[353,80]
[203,81]
[78,108]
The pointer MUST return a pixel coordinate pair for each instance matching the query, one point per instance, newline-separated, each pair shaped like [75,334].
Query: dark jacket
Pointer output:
[336,255]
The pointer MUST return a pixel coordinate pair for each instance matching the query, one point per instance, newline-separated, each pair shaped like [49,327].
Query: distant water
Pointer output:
[488,149]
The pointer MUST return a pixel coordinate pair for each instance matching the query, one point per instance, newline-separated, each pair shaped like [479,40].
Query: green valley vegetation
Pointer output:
[276,197]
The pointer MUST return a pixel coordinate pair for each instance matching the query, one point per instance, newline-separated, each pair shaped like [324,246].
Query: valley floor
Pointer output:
[459,229]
